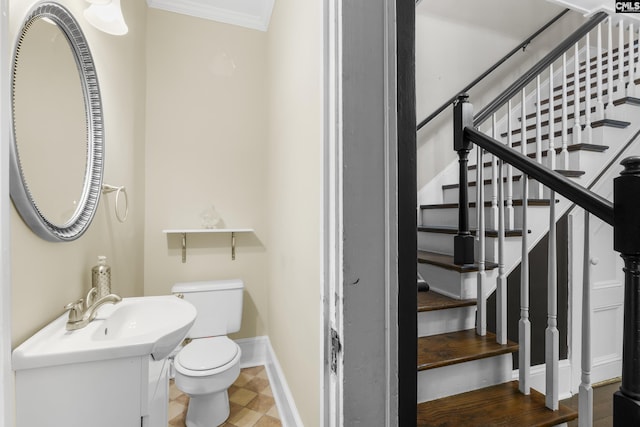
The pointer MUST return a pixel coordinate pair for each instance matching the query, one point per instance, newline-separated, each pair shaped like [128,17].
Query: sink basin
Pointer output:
[134,327]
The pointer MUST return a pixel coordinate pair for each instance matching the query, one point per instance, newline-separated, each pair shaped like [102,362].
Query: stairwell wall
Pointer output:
[476,35]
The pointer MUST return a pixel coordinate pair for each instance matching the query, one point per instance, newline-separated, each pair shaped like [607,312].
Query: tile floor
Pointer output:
[251,402]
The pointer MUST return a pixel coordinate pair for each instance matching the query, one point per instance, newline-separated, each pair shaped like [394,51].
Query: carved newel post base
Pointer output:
[626,240]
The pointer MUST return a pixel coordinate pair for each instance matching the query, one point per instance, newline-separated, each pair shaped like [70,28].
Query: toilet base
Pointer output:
[208,410]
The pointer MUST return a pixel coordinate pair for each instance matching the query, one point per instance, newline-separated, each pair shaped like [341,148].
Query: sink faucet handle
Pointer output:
[75,310]
[91,296]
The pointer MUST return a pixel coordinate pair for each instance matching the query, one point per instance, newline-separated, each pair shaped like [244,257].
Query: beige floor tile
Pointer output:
[257,384]
[242,396]
[267,421]
[263,374]
[175,409]
[267,391]
[261,403]
[245,418]
[273,412]
[253,371]
[243,378]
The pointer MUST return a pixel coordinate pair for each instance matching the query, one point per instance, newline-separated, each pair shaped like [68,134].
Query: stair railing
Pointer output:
[522,46]
[622,215]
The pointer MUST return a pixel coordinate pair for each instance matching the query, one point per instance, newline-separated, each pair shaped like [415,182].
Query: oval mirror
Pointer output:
[57,150]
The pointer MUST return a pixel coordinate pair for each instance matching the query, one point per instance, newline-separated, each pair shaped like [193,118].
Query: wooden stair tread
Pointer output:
[432,301]
[487,204]
[499,405]
[447,349]
[454,230]
[446,261]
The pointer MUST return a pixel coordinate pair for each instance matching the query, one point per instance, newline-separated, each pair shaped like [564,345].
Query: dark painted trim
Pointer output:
[407,221]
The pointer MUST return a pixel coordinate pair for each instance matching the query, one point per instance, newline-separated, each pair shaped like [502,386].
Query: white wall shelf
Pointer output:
[185,231]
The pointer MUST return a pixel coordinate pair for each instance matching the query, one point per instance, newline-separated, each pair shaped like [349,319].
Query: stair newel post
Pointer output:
[501,286]
[631,85]
[599,113]
[587,131]
[524,325]
[463,241]
[494,178]
[577,129]
[509,208]
[585,392]
[626,240]
[565,116]
[609,106]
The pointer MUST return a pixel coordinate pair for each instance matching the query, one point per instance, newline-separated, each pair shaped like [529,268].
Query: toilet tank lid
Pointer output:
[207,285]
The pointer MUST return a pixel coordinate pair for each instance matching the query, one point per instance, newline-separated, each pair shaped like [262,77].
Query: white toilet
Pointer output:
[210,363]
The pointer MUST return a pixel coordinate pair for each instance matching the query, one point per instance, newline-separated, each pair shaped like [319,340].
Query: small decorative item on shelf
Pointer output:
[210,218]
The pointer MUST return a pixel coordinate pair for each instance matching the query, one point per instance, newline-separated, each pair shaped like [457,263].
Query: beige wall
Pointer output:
[294,197]
[46,276]
[206,145]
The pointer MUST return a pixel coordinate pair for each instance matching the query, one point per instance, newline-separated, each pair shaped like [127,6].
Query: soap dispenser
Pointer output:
[101,277]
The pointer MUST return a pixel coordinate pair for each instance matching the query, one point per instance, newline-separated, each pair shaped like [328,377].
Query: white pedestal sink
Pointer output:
[113,372]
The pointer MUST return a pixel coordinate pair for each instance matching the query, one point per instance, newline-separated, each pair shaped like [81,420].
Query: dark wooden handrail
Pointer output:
[543,64]
[481,77]
[590,201]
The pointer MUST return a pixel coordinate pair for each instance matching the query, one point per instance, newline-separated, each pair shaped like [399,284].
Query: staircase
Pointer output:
[577,117]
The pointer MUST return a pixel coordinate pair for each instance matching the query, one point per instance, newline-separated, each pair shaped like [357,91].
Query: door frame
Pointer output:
[369,131]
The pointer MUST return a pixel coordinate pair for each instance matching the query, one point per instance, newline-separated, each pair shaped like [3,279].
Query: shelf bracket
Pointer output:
[184,247]
[233,246]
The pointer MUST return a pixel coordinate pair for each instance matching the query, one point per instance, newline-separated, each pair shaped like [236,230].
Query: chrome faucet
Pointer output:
[80,315]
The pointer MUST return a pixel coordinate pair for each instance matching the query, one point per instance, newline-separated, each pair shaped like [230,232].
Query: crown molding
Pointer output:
[254,14]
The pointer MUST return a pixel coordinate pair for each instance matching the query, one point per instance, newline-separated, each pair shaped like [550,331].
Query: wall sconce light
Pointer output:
[106,16]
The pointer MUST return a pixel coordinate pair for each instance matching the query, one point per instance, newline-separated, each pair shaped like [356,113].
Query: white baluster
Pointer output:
[524,325]
[631,86]
[537,187]
[599,113]
[577,129]
[565,116]
[509,212]
[587,131]
[481,327]
[609,106]
[636,68]
[552,127]
[501,285]
[494,179]
[585,398]
[523,129]
[552,345]
[620,89]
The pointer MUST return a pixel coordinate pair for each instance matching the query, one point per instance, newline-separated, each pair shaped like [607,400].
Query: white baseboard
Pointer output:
[257,351]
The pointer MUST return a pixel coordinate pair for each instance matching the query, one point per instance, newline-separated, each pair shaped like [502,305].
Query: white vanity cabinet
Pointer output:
[126,392]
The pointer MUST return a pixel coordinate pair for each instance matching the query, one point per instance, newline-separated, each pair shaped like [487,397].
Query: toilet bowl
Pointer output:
[205,369]
[210,363]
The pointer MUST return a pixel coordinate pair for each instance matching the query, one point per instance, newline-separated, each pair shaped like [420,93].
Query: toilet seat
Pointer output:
[206,356]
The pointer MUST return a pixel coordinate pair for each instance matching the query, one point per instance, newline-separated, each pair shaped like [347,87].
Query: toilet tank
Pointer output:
[219,306]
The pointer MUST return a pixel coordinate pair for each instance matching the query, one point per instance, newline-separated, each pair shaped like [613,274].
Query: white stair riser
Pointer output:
[451,195]
[453,283]
[462,377]
[443,243]
[445,321]
[449,217]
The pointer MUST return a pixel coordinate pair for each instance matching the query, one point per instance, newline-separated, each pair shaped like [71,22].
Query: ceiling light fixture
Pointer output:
[106,16]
